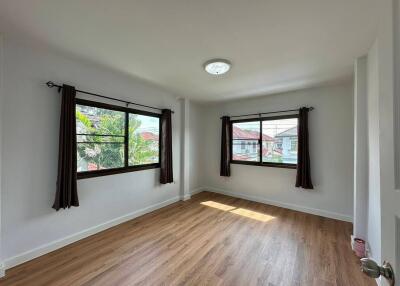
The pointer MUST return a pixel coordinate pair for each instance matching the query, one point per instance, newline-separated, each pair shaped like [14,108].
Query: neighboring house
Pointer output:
[149,136]
[152,137]
[286,144]
[245,144]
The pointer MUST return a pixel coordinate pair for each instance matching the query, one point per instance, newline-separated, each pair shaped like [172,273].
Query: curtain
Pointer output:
[66,190]
[225,169]
[303,178]
[166,174]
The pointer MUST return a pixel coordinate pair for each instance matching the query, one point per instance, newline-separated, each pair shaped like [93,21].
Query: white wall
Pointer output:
[386,92]
[360,218]
[383,112]
[185,148]
[397,89]
[197,150]
[331,147]
[374,209]
[31,120]
[396,54]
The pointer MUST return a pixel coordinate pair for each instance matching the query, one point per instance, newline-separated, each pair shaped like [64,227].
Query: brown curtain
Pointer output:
[66,192]
[166,174]
[303,178]
[225,169]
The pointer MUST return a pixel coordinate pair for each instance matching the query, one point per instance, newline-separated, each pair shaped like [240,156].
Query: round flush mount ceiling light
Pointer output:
[217,66]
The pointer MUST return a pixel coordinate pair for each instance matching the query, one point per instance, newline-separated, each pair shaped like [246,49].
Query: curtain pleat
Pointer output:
[166,173]
[66,190]
[303,178]
[225,169]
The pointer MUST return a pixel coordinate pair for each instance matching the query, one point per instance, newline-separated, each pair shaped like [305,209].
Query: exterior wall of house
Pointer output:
[288,154]
[245,147]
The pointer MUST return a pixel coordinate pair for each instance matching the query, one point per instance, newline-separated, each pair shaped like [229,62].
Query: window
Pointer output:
[143,139]
[293,144]
[243,145]
[245,136]
[112,139]
[281,133]
[270,141]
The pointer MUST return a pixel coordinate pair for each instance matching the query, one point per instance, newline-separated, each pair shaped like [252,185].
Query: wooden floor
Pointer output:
[208,240]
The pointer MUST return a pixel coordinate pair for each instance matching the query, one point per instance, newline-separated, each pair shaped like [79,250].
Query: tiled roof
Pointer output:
[288,133]
[149,136]
[239,133]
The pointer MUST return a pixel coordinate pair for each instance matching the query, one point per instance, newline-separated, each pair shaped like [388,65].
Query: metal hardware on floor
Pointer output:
[373,270]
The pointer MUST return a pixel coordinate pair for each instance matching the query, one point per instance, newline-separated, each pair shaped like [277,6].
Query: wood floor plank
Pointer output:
[209,240]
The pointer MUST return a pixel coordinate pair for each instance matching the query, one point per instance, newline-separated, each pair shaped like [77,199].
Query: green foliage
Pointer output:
[84,120]
[140,151]
[110,153]
[273,159]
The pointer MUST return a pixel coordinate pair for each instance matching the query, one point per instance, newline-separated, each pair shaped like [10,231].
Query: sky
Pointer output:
[270,127]
[148,124]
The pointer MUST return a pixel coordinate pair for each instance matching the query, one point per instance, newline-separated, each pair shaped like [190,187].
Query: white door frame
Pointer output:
[2,268]
[387,93]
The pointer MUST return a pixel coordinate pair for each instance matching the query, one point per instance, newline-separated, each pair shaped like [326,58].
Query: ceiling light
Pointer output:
[217,66]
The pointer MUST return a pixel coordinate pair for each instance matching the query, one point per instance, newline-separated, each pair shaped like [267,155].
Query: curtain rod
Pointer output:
[51,84]
[259,114]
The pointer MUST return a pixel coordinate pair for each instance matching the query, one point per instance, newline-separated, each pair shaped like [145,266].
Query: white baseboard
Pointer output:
[196,191]
[309,210]
[186,197]
[2,270]
[49,247]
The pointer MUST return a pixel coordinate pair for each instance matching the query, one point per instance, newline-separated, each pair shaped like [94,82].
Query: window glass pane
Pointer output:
[101,143]
[279,144]
[143,139]
[100,121]
[95,156]
[245,145]
[246,130]
[245,150]
[99,139]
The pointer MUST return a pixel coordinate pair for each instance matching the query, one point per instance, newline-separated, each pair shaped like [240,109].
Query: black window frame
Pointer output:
[260,162]
[126,168]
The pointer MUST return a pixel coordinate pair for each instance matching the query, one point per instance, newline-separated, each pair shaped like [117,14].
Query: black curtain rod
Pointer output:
[51,84]
[259,114]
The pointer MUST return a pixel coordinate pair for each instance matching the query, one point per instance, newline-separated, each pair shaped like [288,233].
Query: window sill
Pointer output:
[275,165]
[100,173]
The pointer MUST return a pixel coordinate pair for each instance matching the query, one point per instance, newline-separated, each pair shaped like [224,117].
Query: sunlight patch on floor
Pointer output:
[219,206]
[252,214]
[238,211]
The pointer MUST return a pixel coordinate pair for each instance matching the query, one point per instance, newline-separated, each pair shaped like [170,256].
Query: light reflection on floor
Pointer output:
[238,211]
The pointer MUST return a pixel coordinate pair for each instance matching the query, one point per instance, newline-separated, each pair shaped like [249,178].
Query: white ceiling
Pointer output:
[274,45]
